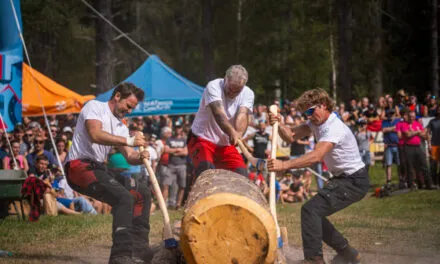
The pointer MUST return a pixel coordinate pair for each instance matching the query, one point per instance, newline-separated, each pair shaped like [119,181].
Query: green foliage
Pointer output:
[284,41]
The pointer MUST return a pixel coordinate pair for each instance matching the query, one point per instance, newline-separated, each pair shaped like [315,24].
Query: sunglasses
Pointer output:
[310,111]
[39,142]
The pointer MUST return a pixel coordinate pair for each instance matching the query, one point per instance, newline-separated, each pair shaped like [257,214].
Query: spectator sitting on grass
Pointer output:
[67,196]
[296,191]
[41,171]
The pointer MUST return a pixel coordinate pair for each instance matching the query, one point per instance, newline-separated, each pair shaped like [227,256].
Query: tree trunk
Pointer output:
[434,49]
[207,39]
[377,76]
[345,36]
[238,42]
[227,212]
[104,47]
[333,86]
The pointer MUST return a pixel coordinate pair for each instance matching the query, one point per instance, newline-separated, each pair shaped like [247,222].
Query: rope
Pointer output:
[138,46]
[36,87]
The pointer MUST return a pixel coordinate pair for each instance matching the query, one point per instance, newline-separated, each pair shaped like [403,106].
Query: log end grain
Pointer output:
[227,227]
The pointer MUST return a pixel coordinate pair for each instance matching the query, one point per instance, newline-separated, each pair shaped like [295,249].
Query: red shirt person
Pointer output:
[220,122]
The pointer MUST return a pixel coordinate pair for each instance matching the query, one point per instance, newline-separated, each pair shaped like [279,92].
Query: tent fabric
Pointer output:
[56,98]
[166,92]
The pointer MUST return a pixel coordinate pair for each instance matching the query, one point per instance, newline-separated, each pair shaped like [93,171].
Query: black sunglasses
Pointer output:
[39,142]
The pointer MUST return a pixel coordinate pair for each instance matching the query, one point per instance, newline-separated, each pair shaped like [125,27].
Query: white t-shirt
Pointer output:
[204,124]
[82,146]
[344,156]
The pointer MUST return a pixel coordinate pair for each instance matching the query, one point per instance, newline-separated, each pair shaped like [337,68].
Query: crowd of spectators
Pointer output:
[397,129]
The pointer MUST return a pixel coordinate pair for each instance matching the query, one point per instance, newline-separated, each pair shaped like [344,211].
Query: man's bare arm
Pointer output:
[304,161]
[221,118]
[312,157]
[241,120]
[291,134]
[99,136]
[132,156]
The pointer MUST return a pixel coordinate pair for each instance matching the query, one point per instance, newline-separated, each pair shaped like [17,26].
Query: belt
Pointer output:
[92,164]
[353,175]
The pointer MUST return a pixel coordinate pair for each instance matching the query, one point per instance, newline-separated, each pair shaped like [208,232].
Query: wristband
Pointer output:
[130,141]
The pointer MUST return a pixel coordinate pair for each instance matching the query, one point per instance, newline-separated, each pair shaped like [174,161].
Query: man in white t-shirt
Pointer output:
[220,122]
[338,148]
[99,128]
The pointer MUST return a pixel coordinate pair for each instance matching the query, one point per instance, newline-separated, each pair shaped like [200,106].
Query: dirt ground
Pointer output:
[98,254]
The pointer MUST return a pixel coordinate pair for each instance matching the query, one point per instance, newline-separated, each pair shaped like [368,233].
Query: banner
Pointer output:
[11,58]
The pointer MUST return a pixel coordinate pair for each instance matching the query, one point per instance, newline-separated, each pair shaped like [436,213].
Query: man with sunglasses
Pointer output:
[338,148]
[40,151]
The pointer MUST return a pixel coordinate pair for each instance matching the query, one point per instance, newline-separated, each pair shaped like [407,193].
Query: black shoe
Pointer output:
[348,255]
[121,260]
[314,260]
[144,255]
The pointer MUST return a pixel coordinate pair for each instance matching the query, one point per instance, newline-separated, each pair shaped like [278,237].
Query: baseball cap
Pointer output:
[177,124]
[67,129]
[118,161]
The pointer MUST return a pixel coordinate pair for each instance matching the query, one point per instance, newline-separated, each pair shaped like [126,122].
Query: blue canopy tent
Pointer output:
[166,92]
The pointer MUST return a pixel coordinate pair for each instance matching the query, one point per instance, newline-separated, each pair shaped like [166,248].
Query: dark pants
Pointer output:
[418,164]
[130,203]
[403,173]
[336,195]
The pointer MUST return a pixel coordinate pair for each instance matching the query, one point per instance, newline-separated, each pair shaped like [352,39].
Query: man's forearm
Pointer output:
[223,123]
[104,138]
[134,158]
[241,123]
[304,161]
[285,133]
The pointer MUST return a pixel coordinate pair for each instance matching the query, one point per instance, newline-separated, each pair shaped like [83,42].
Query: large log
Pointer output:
[227,220]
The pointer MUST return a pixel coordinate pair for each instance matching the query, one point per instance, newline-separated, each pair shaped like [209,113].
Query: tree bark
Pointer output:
[345,36]
[434,49]
[104,47]
[377,76]
[227,212]
[207,38]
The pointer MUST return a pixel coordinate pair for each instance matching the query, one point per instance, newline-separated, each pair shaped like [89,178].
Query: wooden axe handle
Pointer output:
[272,201]
[168,234]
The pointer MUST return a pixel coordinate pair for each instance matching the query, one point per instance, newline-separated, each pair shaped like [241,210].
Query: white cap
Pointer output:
[67,129]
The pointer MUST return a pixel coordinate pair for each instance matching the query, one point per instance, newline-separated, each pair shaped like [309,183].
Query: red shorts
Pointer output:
[221,157]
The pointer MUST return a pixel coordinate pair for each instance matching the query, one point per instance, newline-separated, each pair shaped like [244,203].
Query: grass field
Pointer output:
[407,223]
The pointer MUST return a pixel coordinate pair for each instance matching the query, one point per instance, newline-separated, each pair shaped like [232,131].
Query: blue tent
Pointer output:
[166,92]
